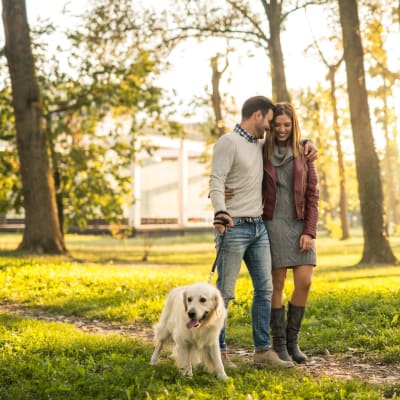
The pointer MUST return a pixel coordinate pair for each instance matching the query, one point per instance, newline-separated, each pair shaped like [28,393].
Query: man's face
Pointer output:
[263,123]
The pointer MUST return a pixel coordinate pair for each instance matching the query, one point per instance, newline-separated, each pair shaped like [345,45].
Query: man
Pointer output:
[237,164]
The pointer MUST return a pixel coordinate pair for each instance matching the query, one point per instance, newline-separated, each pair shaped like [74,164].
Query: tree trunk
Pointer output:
[42,231]
[56,172]
[274,14]
[219,128]
[342,178]
[325,202]
[376,246]
[391,184]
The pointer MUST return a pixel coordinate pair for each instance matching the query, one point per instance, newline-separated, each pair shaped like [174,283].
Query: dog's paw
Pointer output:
[153,360]
[223,377]
[187,372]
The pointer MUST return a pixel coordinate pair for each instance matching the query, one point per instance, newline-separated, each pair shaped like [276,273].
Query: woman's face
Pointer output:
[282,129]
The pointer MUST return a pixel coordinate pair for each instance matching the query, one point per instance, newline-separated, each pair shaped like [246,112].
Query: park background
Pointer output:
[108,114]
[132,102]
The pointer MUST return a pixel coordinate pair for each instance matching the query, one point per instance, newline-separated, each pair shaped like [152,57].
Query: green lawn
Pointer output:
[350,306]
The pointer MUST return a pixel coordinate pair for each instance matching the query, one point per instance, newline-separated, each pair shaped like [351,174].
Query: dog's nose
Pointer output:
[192,314]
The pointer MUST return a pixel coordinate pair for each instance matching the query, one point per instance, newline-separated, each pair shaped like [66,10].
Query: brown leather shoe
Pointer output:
[270,358]
[228,363]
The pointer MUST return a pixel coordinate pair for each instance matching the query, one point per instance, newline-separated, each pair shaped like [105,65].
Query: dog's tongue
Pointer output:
[192,323]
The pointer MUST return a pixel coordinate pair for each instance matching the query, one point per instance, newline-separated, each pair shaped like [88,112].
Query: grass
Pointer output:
[48,360]
[350,307]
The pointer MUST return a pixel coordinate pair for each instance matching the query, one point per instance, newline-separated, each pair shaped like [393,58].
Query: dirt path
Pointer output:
[345,366]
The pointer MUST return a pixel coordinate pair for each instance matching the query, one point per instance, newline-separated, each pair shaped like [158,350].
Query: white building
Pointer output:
[171,185]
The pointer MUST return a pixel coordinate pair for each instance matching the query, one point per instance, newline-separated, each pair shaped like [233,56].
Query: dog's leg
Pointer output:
[156,353]
[183,359]
[206,359]
[162,335]
[159,345]
[216,361]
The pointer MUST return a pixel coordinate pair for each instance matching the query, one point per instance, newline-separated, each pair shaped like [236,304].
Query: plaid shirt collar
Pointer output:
[242,132]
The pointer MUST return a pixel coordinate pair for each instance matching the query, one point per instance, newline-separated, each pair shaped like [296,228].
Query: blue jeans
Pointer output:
[247,241]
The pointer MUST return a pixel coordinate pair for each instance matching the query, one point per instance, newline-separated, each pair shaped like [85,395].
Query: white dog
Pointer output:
[192,318]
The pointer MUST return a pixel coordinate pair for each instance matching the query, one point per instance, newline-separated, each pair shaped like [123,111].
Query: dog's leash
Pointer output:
[224,222]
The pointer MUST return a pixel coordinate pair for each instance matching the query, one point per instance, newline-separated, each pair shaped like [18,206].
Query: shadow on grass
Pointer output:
[369,277]
[12,253]
[120,303]
[123,257]
[157,259]
[358,267]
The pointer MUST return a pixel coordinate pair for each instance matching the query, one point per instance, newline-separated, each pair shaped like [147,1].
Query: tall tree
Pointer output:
[332,69]
[376,38]
[273,10]
[217,72]
[239,20]
[342,176]
[42,232]
[310,107]
[376,245]
[89,110]
[331,76]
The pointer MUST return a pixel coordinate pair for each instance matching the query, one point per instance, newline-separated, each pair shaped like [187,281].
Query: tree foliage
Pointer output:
[316,110]
[257,23]
[10,182]
[93,79]
[42,232]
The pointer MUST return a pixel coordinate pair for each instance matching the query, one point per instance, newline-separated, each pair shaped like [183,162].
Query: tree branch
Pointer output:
[321,54]
[232,34]
[252,21]
[303,6]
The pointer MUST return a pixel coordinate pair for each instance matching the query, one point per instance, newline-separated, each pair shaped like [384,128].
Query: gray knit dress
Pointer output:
[284,229]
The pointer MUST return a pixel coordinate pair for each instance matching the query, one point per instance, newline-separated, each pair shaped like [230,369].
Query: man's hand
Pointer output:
[310,151]
[222,222]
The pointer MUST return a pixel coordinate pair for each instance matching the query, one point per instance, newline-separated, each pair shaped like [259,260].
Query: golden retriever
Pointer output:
[192,318]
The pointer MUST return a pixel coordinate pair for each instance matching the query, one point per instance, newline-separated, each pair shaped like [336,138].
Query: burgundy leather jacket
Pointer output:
[306,193]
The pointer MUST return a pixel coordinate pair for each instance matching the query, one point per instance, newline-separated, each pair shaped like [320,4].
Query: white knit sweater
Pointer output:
[237,164]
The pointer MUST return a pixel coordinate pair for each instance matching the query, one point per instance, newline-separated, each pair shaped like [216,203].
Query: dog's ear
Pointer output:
[219,305]
[184,297]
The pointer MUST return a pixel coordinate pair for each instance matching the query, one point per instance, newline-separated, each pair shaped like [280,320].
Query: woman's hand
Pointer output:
[306,242]
[228,194]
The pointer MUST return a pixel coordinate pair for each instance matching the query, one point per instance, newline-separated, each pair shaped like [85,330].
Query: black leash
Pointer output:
[224,222]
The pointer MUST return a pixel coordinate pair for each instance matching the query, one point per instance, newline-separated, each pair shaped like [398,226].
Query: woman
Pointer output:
[290,194]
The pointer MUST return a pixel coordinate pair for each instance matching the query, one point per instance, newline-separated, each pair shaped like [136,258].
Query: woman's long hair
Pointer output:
[294,139]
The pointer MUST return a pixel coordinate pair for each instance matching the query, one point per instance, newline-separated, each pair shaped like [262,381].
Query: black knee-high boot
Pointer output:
[278,332]
[294,318]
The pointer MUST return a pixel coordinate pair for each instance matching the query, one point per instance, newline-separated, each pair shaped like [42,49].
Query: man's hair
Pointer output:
[256,103]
